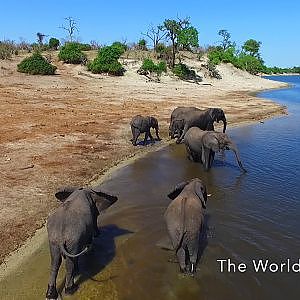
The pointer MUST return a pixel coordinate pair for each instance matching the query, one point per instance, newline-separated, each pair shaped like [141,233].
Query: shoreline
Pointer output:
[17,257]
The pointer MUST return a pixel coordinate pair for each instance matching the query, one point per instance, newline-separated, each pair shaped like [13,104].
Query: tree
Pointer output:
[226,42]
[142,44]
[188,37]
[40,38]
[54,43]
[155,34]
[173,28]
[70,27]
[251,47]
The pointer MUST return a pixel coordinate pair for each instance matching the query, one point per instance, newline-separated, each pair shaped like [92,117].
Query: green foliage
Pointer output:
[150,66]
[217,55]
[71,53]
[7,48]
[251,47]
[85,47]
[107,61]
[183,71]
[251,64]
[160,48]
[188,37]
[277,70]
[121,46]
[54,43]
[36,64]
[142,44]
[212,71]
[225,43]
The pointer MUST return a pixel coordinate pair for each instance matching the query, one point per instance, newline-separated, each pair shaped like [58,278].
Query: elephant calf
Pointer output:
[71,229]
[184,218]
[140,124]
[202,145]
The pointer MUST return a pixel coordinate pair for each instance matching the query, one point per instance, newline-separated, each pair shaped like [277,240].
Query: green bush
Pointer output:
[107,61]
[183,71]
[54,43]
[142,44]
[85,47]
[218,55]
[71,53]
[150,66]
[120,46]
[249,63]
[36,64]
[160,48]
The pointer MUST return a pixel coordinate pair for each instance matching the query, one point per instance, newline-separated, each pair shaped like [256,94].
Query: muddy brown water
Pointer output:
[249,217]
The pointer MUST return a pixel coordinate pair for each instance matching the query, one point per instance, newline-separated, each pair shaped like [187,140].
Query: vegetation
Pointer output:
[53,43]
[36,64]
[142,44]
[71,53]
[7,49]
[149,66]
[226,42]
[70,27]
[183,72]
[107,60]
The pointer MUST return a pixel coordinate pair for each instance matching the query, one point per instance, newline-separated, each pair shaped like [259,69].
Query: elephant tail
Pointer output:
[66,253]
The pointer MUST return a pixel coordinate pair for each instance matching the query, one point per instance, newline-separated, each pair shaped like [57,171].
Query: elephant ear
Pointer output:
[212,113]
[200,190]
[102,199]
[63,193]
[210,140]
[177,189]
[153,122]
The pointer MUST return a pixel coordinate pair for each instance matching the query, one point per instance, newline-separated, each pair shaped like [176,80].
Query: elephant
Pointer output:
[202,145]
[71,229]
[177,115]
[140,124]
[204,119]
[184,218]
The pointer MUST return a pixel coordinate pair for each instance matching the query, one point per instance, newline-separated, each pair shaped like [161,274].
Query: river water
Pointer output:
[249,217]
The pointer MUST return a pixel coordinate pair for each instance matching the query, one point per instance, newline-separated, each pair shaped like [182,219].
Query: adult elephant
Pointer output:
[140,124]
[203,119]
[184,218]
[202,146]
[178,114]
[71,229]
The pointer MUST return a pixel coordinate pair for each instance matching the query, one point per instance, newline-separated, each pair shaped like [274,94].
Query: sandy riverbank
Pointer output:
[71,128]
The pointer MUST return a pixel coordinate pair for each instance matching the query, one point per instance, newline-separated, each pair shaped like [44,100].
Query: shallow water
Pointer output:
[249,216]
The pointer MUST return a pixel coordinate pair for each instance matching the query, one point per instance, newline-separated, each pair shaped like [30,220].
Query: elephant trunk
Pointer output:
[237,156]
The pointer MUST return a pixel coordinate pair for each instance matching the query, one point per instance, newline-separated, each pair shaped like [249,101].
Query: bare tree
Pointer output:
[40,38]
[155,34]
[70,27]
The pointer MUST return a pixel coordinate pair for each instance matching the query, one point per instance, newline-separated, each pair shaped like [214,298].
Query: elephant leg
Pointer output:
[146,137]
[185,129]
[193,248]
[151,137]
[181,259]
[70,272]
[135,134]
[55,264]
[211,158]
[156,132]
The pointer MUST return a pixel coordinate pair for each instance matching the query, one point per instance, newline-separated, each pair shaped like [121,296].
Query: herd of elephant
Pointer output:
[73,225]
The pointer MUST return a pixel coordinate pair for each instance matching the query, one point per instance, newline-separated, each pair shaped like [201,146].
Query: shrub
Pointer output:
[36,64]
[212,71]
[142,44]
[249,63]
[120,46]
[72,54]
[7,48]
[107,61]
[160,48]
[218,55]
[149,66]
[54,43]
[183,71]
[85,47]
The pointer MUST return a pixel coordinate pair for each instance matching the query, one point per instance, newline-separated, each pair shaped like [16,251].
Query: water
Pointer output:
[249,216]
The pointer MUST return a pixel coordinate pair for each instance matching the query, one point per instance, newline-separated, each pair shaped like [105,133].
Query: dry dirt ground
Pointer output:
[66,129]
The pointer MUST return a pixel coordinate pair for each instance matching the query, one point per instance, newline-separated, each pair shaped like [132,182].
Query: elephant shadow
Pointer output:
[148,142]
[101,254]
